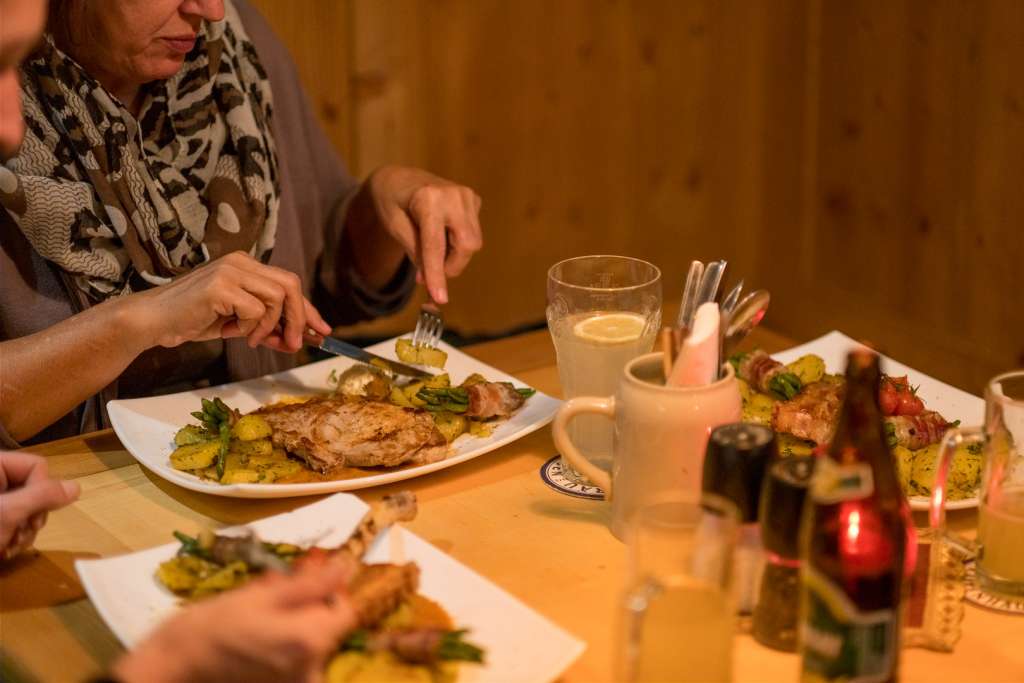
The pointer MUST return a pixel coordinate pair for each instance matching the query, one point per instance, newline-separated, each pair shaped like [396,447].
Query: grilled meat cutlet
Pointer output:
[812,414]
[377,590]
[329,433]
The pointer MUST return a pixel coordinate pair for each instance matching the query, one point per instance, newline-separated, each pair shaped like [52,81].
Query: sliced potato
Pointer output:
[181,574]
[399,398]
[281,469]
[787,444]
[231,576]
[410,392]
[418,355]
[190,434]
[480,430]
[250,428]
[903,458]
[240,476]
[251,448]
[475,378]
[195,456]
[441,381]
[809,368]
[450,425]
[757,407]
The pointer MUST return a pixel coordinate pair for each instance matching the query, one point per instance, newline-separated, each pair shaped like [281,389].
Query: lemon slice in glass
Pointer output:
[610,328]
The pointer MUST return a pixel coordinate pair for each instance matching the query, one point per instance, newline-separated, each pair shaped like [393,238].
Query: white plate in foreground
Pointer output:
[146,426]
[952,403]
[520,644]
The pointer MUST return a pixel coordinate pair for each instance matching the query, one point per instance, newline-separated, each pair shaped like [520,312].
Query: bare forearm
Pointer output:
[45,375]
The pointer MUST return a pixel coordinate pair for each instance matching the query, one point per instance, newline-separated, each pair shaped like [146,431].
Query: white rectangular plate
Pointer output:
[520,644]
[146,426]
[952,403]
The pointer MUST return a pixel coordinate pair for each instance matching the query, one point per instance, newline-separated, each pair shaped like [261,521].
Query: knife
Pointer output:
[339,348]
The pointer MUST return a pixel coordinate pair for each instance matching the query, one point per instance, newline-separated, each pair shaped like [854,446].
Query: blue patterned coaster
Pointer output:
[973,593]
[551,473]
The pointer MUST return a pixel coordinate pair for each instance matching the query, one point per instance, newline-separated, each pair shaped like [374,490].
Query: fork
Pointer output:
[429,327]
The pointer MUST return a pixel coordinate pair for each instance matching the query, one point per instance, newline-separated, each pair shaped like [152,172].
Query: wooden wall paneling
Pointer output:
[616,127]
[900,195]
[317,33]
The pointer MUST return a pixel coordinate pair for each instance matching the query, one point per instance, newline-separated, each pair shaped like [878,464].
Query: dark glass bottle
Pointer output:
[854,544]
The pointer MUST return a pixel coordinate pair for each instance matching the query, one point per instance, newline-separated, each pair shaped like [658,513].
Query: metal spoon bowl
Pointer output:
[746,316]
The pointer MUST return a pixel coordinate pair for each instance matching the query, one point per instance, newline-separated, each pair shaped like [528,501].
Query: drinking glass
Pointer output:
[602,312]
[999,545]
[678,616]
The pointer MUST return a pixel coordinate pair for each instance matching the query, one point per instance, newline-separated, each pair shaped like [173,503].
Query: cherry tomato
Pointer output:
[909,404]
[888,399]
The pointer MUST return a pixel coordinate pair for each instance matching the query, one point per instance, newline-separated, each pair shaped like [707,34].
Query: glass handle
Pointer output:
[569,410]
[952,440]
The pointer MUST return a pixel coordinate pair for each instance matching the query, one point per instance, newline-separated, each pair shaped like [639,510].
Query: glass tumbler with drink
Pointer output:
[678,616]
[602,312]
[999,546]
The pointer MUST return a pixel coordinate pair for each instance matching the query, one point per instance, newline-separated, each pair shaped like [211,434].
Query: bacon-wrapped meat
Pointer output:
[481,400]
[423,645]
[916,431]
[767,375]
[493,399]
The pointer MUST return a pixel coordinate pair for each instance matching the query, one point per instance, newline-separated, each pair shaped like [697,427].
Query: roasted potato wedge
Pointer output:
[475,378]
[240,476]
[250,428]
[418,355]
[191,434]
[809,368]
[480,430]
[399,398]
[441,381]
[251,448]
[195,456]
[450,425]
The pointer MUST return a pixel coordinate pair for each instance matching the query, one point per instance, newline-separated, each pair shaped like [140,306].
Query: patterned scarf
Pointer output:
[123,204]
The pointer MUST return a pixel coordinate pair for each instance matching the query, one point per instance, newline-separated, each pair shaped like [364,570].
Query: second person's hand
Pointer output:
[436,221]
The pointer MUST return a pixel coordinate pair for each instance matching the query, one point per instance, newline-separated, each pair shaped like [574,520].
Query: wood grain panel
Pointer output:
[317,34]
[914,239]
[612,127]
[859,159]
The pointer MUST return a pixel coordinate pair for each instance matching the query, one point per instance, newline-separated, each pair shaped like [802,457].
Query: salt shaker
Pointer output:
[776,616]
[734,466]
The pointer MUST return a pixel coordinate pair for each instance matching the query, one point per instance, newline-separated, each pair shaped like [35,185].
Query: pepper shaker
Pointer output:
[734,466]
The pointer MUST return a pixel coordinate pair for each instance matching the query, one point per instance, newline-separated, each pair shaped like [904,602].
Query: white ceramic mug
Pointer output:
[659,437]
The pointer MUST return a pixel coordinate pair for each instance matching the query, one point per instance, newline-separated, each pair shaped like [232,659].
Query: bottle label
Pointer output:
[834,483]
[841,642]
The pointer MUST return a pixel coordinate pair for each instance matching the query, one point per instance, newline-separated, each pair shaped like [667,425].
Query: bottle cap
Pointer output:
[735,462]
[782,503]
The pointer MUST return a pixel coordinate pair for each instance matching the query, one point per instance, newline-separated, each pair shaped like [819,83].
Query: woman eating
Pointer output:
[174,215]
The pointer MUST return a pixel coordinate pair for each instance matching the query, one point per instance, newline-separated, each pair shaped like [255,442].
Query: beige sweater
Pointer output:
[314,188]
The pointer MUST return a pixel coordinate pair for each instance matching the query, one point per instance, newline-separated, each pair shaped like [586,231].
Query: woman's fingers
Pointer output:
[288,312]
[315,321]
[464,232]
[428,212]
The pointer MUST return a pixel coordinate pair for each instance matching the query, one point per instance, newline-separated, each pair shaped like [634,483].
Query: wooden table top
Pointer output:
[489,513]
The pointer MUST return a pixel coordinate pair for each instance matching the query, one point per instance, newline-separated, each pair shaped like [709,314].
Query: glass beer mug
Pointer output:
[999,546]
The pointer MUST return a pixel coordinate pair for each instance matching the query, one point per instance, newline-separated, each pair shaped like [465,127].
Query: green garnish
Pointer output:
[217,418]
[890,434]
[454,648]
[735,360]
[190,546]
[451,648]
[785,385]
